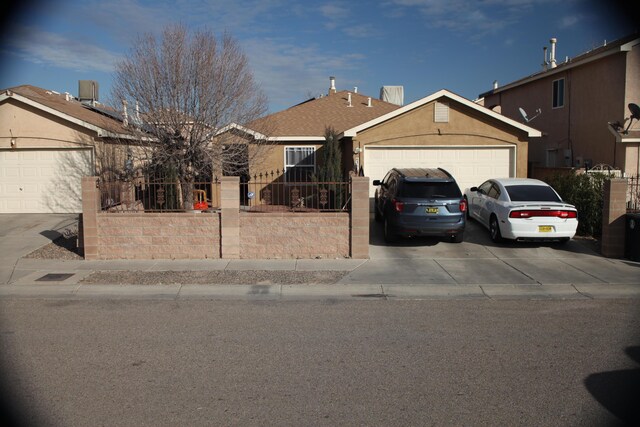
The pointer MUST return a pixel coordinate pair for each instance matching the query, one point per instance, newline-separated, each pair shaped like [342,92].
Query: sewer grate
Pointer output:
[54,277]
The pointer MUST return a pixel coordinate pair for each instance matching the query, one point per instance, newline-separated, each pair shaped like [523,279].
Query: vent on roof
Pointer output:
[392,94]
[88,90]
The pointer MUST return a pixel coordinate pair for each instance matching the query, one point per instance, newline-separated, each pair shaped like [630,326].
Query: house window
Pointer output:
[300,163]
[558,93]
[441,112]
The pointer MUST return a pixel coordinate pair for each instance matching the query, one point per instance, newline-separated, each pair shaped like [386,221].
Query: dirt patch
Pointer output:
[215,277]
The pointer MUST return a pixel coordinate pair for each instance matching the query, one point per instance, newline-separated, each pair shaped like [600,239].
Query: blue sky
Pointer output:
[294,46]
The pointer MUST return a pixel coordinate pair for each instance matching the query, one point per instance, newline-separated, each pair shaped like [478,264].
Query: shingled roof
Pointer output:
[106,123]
[311,118]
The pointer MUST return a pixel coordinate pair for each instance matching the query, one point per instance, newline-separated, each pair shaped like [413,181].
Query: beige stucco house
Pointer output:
[48,142]
[441,130]
[574,103]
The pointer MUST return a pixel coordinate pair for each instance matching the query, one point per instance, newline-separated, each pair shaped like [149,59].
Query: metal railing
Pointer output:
[139,195]
[274,191]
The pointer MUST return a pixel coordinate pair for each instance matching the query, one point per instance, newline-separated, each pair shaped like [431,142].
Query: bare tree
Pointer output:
[179,91]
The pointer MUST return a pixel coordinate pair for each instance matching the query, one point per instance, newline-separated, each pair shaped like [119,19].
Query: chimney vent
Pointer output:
[349,100]
[552,57]
[125,115]
[369,102]
[332,85]
[495,84]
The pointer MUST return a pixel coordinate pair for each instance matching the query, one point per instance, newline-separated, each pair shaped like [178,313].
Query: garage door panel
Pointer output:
[43,180]
[469,165]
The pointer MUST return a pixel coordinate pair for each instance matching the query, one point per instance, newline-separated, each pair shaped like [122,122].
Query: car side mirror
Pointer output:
[473,189]
[376,182]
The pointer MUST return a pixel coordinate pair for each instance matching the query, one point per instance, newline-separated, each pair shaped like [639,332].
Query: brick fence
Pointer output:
[614,218]
[228,234]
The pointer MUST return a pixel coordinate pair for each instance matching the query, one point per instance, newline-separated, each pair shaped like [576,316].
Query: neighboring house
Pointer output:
[48,141]
[441,130]
[573,103]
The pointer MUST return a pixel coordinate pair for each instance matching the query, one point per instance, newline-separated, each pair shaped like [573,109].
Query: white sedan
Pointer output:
[521,209]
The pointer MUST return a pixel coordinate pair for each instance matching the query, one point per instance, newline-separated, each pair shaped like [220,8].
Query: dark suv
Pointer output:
[420,202]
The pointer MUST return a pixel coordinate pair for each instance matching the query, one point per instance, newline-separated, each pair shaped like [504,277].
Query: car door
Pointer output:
[491,202]
[383,193]
[478,202]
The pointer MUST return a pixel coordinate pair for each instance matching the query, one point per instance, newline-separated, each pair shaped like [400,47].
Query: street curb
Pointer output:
[319,292]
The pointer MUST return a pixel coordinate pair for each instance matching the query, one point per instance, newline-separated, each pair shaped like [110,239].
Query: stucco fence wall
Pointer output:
[228,234]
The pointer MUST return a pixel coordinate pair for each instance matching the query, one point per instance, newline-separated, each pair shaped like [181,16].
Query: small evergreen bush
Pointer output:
[585,192]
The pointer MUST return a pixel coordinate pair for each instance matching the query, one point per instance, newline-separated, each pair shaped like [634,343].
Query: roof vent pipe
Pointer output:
[355,89]
[545,63]
[552,57]
[332,85]
[369,102]
[125,115]
[349,99]
[495,84]
[138,110]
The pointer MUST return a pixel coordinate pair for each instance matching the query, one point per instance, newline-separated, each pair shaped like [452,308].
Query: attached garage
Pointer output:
[442,130]
[469,165]
[43,181]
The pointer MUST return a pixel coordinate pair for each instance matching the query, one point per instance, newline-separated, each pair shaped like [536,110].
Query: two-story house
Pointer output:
[581,105]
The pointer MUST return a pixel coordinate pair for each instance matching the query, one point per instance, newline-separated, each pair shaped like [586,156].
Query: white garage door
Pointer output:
[43,181]
[469,165]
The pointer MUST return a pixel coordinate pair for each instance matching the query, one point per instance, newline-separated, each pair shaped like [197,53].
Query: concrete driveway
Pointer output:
[479,261]
[21,234]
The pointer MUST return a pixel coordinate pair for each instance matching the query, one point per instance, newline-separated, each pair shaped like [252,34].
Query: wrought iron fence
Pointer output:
[633,193]
[279,191]
[139,195]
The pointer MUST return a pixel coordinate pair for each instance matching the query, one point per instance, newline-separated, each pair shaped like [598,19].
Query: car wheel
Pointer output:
[389,236]
[494,229]
[458,237]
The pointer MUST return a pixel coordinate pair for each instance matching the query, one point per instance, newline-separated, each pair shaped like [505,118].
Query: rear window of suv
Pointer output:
[532,193]
[435,190]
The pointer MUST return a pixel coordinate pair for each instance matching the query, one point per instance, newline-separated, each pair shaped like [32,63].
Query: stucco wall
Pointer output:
[34,129]
[294,235]
[465,127]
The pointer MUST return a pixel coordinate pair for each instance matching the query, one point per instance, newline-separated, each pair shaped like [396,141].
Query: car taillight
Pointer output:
[397,205]
[531,214]
[463,205]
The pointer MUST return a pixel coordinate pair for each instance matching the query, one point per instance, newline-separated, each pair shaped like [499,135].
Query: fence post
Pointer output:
[359,221]
[614,218]
[90,208]
[230,217]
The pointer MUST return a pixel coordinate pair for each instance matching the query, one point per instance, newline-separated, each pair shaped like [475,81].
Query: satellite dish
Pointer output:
[523,114]
[635,114]
[526,118]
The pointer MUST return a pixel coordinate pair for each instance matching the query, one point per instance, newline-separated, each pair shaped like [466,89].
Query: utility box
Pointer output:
[632,237]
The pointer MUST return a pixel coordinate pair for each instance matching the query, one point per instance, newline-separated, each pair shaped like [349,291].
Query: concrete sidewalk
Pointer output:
[475,268]
[564,278]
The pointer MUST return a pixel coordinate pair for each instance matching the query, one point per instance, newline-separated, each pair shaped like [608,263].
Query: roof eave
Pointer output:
[97,129]
[531,132]
[563,67]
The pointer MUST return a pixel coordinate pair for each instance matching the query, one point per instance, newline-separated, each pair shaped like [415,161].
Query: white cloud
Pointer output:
[61,51]
[288,73]
[570,21]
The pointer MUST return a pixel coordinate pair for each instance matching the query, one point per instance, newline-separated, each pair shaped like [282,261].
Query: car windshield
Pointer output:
[532,193]
[423,190]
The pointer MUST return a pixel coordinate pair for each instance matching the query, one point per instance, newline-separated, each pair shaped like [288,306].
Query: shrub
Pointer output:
[585,192]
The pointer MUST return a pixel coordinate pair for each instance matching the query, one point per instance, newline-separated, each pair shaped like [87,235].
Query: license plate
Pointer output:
[545,228]
[432,210]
